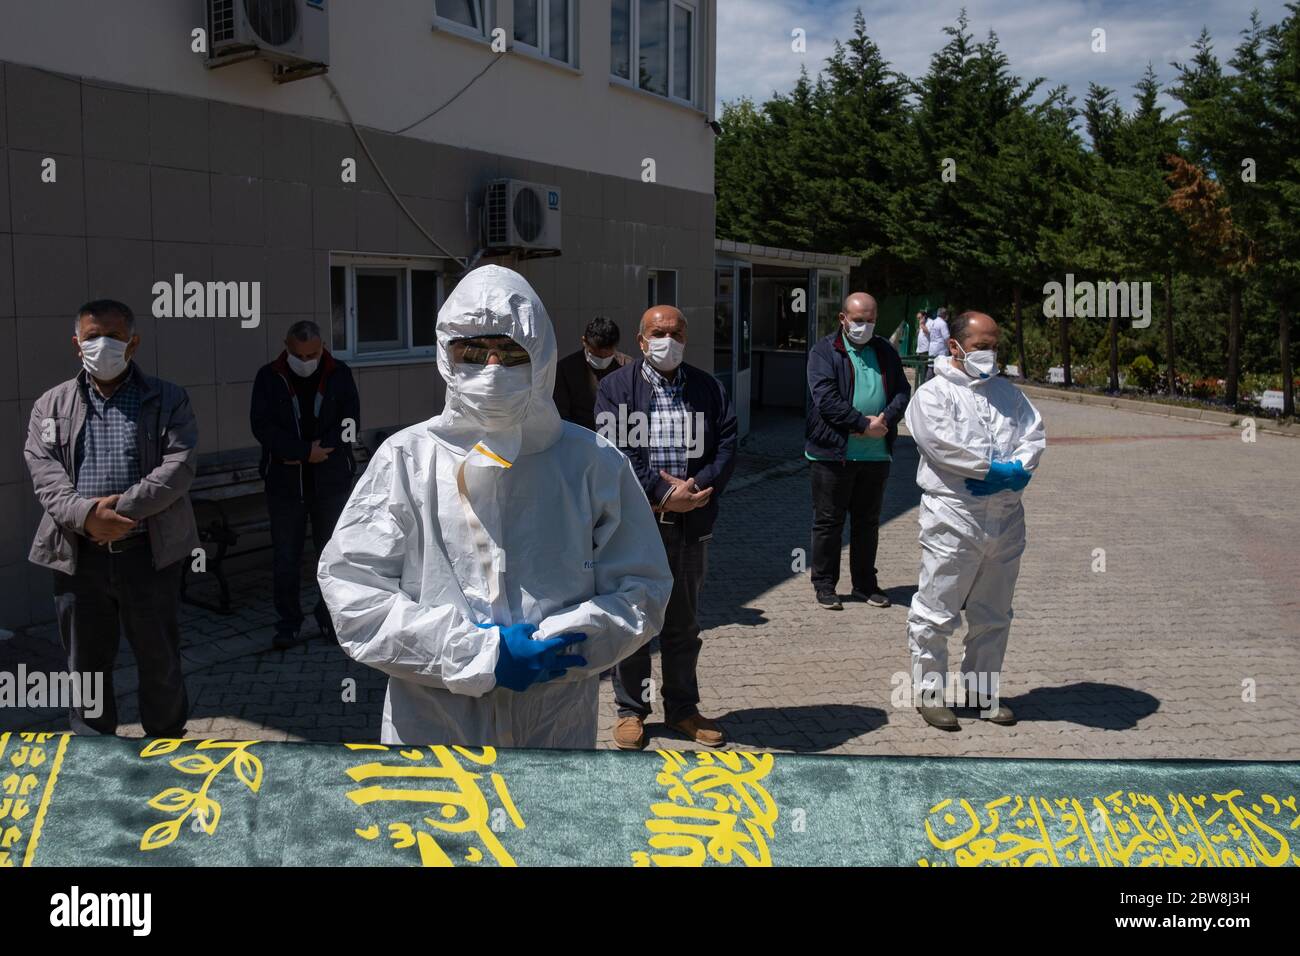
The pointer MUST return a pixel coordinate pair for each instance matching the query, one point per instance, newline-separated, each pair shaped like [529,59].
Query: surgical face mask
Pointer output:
[494,396]
[665,352]
[104,357]
[859,332]
[598,363]
[980,364]
[303,367]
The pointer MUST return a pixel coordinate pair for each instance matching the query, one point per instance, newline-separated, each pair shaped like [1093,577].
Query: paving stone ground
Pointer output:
[1187,645]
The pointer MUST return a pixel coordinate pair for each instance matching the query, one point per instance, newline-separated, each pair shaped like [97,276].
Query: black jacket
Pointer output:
[628,388]
[831,415]
[576,383]
[274,419]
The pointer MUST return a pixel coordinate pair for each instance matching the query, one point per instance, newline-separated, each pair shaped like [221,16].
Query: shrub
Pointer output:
[1142,373]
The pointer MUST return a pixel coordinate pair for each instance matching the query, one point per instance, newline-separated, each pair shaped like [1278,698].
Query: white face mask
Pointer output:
[981,364]
[596,362]
[104,357]
[665,353]
[495,397]
[303,367]
[860,332]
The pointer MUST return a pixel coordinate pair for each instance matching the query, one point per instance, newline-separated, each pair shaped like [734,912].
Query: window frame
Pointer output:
[634,47]
[406,264]
[543,48]
[486,9]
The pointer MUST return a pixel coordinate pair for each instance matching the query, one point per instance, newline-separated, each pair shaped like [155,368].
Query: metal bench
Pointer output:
[229,502]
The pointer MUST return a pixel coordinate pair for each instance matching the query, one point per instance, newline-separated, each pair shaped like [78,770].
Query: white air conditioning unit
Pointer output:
[523,217]
[293,34]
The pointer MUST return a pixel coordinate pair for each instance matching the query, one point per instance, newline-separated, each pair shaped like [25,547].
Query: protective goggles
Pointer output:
[477,351]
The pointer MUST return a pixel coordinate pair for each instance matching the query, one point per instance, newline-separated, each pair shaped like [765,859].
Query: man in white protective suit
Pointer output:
[980,440]
[494,560]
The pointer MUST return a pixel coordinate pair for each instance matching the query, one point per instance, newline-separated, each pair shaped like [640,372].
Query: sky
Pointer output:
[1048,38]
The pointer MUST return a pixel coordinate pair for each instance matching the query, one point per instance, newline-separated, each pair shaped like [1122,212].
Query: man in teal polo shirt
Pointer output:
[859,394]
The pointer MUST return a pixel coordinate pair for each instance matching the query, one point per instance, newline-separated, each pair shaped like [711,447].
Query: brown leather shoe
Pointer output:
[1003,715]
[702,730]
[629,733]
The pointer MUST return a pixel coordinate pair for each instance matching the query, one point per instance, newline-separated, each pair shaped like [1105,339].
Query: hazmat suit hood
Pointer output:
[493,300]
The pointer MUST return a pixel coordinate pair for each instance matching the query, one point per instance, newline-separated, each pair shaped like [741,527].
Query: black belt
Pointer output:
[122,544]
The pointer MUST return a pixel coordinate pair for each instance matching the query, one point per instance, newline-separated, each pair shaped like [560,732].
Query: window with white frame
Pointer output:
[548,27]
[660,40]
[384,308]
[463,16]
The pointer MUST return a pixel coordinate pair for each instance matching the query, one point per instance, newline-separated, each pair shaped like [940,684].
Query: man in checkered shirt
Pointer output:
[112,455]
[677,426]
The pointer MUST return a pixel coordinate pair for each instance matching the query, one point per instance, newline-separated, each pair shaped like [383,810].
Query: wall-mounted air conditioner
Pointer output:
[293,34]
[523,217]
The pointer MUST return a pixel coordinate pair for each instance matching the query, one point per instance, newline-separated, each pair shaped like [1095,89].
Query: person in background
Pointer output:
[922,346]
[683,465]
[858,393]
[579,374]
[937,334]
[305,414]
[980,441]
[112,455]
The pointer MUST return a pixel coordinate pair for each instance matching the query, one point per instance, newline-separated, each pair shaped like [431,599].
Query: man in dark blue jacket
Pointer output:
[305,414]
[859,394]
[678,428]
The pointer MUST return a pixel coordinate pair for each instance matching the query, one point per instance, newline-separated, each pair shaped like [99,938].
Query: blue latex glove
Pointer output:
[1002,476]
[522,661]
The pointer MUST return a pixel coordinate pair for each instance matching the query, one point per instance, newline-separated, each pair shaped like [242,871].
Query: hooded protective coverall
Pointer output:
[456,525]
[970,546]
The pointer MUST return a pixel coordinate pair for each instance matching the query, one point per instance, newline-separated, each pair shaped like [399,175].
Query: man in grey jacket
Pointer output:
[112,454]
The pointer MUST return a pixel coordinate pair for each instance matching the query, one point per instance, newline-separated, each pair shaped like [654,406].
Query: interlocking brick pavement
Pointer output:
[1200,597]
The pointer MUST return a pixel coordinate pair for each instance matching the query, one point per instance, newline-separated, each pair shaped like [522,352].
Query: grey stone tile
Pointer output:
[288,214]
[376,222]
[237,210]
[331,143]
[115,123]
[4,191]
[334,218]
[49,274]
[43,110]
[235,140]
[48,355]
[181,205]
[178,131]
[407,163]
[6,275]
[410,241]
[290,281]
[118,200]
[39,207]
[287,152]
[121,269]
[8,360]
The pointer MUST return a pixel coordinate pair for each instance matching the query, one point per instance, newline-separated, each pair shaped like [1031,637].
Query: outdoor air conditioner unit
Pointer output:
[293,34]
[522,217]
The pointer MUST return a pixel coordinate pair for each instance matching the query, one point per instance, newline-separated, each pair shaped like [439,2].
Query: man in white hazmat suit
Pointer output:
[980,440]
[484,550]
